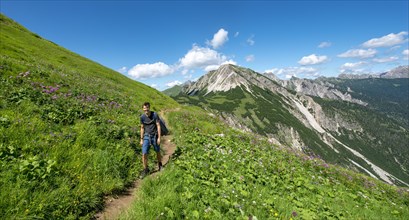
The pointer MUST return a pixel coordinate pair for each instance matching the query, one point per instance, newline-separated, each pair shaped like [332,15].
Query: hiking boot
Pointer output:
[160,166]
[144,173]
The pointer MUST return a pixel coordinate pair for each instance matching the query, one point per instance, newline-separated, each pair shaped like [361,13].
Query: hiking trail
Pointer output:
[116,204]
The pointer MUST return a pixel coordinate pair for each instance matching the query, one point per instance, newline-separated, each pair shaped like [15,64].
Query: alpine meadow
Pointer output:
[261,149]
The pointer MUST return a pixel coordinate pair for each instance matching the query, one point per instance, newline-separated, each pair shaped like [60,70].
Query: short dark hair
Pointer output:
[147,104]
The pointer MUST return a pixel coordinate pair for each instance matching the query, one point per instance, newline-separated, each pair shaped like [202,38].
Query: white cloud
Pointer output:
[289,76]
[324,44]
[190,76]
[219,39]
[394,48]
[154,86]
[356,71]
[211,67]
[386,41]
[123,69]
[355,68]
[353,65]
[312,60]
[215,67]
[236,34]
[155,70]
[250,58]
[185,71]
[289,72]
[174,83]
[358,53]
[405,54]
[385,59]
[250,41]
[201,57]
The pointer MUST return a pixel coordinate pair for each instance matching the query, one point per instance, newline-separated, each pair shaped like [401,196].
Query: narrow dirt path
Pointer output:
[116,204]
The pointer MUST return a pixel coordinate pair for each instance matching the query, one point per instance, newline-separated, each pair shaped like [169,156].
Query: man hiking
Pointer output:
[150,135]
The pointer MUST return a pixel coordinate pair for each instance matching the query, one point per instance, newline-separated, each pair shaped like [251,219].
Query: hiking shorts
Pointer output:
[149,140]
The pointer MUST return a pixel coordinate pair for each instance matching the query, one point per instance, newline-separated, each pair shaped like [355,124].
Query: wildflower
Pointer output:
[276,214]
[294,213]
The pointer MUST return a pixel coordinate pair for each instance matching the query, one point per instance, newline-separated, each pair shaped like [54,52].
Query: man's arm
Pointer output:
[142,132]
[159,131]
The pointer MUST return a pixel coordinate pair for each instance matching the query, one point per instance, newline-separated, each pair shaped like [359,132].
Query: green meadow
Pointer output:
[69,135]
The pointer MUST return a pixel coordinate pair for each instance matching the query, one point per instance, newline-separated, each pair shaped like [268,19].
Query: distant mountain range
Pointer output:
[358,123]
[398,72]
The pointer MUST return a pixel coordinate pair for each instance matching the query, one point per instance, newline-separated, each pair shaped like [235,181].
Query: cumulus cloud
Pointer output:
[215,67]
[219,39]
[289,72]
[324,44]
[359,71]
[355,68]
[250,41]
[201,57]
[155,70]
[174,83]
[312,60]
[122,70]
[385,59]
[353,65]
[386,41]
[405,54]
[250,58]
[358,53]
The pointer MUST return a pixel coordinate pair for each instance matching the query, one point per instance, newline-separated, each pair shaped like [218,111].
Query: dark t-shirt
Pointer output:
[149,123]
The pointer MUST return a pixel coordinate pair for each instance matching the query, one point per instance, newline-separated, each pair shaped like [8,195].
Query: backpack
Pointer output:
[163,129]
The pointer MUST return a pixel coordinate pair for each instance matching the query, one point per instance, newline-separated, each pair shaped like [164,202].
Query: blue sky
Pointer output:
[163,43]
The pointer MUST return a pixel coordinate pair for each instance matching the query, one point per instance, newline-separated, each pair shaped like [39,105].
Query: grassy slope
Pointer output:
[236,176]
[174,91]
[69,128]
[263,111]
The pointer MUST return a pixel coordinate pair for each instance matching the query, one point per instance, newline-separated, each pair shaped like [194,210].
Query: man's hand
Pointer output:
[158,141]
[141,142]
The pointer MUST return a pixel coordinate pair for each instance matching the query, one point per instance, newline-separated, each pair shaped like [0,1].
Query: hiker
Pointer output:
[150,135]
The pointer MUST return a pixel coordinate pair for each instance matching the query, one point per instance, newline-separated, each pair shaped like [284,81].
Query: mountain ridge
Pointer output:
[302,105]
[397,72]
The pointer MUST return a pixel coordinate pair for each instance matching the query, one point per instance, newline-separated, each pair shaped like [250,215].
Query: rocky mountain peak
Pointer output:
[226,77]
[398,72]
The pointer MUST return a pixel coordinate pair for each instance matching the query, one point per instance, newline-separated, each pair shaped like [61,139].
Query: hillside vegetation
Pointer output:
[348,130]
[387,96]
[69,133]
[69,128]
[220,173]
